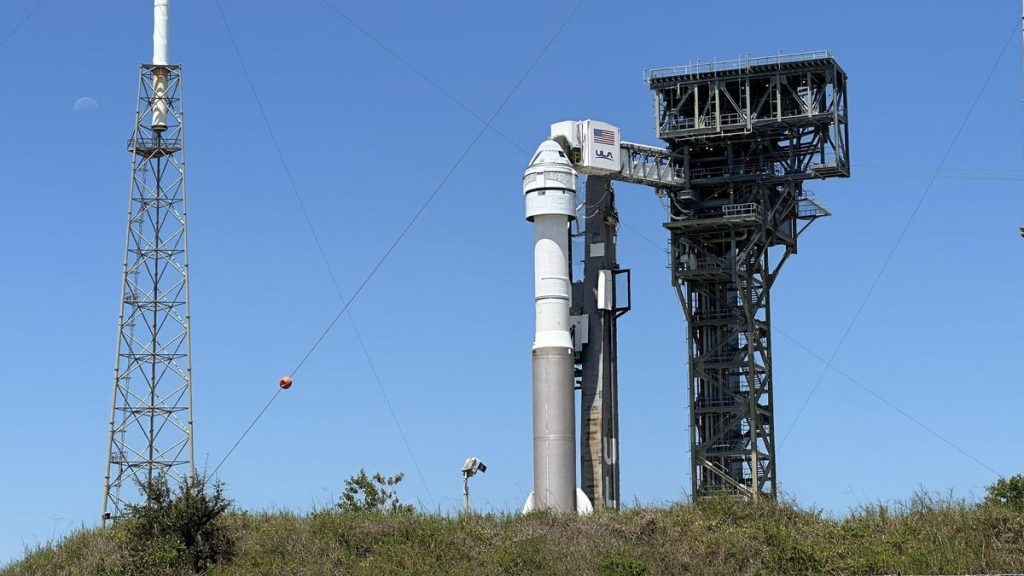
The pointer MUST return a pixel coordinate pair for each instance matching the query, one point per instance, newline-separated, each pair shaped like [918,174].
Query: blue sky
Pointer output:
[448,319]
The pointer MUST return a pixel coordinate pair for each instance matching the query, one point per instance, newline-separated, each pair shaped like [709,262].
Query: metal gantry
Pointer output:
[744,137]
[151,410]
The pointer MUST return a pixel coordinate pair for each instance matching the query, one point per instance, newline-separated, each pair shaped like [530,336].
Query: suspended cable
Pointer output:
[661,247]
[246,433]
[391,409]
[419,212]
[430,198]
[21,22]
[903,233]
[894,407]
[867,389]
[417,72]
[323,256]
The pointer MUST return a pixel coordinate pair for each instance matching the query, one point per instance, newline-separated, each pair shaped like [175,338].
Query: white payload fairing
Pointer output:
[549,185]
[161,16]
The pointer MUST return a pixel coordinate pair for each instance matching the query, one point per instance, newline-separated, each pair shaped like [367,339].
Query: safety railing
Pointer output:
[699,67]
[149,144]
[706,264]
[709,121]
[750,209]
[810,207]
[718,315]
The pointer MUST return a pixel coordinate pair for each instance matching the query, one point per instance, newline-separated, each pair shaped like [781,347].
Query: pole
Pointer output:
[465,492]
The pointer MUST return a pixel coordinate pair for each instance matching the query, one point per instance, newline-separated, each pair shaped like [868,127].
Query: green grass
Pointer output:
[924,535]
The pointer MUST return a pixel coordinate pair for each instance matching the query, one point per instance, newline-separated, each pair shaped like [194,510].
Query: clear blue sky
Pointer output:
[448,320]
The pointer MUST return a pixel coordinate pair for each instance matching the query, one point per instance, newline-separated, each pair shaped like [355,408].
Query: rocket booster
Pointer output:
[549,185]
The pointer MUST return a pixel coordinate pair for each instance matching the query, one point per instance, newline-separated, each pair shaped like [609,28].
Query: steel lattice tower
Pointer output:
[151,412]
[748,133]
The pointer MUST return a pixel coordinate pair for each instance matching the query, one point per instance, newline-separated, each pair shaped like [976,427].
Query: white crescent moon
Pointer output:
[85,103]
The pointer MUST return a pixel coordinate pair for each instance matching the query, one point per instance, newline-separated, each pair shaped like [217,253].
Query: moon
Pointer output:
[85,103]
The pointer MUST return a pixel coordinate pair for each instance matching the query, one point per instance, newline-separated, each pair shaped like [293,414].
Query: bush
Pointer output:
[1007,492]
[176,530]
[377,494]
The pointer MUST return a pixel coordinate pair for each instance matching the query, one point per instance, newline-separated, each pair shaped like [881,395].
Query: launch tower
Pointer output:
[749,133]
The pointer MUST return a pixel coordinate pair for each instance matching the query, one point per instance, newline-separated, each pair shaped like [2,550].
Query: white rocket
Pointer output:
[161,13]
[549,185]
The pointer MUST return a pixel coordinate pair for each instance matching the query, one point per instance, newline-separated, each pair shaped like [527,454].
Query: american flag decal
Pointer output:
[604,137]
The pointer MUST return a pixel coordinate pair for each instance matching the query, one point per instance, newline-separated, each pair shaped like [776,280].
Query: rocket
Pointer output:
[549,186]
[161,13]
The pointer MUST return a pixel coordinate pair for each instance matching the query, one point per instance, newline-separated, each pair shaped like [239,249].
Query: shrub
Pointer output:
[176,530]
[1008,492]
[372,494]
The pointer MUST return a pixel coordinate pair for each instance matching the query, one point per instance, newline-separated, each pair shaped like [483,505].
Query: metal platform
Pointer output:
[154,147]
[792,108]
[740,65]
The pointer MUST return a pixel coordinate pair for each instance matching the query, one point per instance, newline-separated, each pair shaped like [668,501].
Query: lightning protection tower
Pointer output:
[748,133]
[151,410]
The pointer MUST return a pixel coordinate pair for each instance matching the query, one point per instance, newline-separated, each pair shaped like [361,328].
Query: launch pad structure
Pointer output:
[742,138]
[750,133]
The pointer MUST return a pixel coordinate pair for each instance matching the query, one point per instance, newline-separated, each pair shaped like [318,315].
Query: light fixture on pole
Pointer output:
[469,469]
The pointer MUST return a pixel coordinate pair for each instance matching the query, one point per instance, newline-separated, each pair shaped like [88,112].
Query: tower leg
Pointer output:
[723,273]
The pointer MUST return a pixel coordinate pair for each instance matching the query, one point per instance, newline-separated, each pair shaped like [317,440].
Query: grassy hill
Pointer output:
[922,536]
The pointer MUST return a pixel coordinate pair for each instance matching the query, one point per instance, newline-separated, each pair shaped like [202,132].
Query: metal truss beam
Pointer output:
[151,431]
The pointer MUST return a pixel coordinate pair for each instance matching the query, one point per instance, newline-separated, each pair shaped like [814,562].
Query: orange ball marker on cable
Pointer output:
[286,382]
